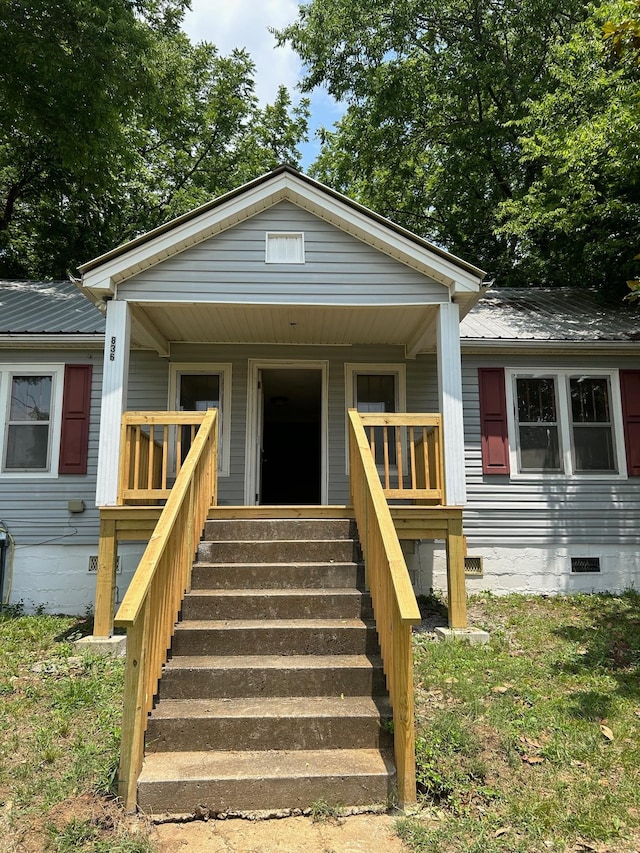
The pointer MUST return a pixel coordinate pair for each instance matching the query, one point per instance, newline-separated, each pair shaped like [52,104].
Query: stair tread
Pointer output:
[209,564]
[257,624]
[294,707]
[272,662]
[219,766]
[327,541]
[307,592]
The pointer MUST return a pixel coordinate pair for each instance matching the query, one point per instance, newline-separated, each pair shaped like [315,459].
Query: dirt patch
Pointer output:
[353,834]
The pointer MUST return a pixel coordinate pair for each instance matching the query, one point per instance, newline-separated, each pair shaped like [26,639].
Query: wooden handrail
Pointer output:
[151,445]
[153,600]
[394,603]
[408,453]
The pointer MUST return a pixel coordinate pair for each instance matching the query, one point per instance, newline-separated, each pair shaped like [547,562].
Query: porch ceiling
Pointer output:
[284,324]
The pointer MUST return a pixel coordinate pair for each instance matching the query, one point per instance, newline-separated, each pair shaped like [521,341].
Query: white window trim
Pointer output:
[564,423]
[269,234]
[56,371]
[352,370]
[224,370]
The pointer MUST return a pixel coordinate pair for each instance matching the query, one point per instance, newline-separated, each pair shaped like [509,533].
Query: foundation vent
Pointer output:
[473,567]
[584,565]
[93,565]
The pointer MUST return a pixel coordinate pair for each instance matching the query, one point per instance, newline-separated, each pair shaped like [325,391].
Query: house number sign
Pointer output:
[112,349]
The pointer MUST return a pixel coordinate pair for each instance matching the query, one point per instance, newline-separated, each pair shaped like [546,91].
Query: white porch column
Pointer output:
[450,398]
[114,397]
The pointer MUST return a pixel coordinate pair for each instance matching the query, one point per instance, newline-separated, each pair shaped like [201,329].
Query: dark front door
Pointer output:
[291,459]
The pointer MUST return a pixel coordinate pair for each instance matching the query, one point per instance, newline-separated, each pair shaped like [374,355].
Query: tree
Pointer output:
[113,122]
[443,104]
[582,138]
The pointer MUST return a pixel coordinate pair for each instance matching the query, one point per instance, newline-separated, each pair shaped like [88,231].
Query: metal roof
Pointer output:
[549,314]
[47,307]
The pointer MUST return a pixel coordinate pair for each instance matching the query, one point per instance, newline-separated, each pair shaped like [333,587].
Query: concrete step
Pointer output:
[279,551]
[228,677]
[295,575]
[280,528]
[273,637]
[277,604]
[178,782]
[299,722]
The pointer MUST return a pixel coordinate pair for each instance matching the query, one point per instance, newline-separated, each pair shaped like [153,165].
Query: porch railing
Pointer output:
[153,445]
[394,603]
[407,449]
[151,605]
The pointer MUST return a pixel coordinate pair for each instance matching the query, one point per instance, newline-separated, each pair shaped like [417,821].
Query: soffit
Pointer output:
[278,324]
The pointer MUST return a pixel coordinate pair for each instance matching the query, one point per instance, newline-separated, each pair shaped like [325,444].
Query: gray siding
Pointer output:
[230,267]
[35,509]
[505,511]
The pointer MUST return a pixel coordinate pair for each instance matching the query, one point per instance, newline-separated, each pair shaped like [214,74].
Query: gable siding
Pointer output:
[339,269]
[35,509]
[502,510]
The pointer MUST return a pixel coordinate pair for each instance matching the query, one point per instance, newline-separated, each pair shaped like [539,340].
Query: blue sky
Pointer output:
[245,23]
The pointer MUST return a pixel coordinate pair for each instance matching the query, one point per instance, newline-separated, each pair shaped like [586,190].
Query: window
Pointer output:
[563,422]
[284,247]
[196,388]
[376,389]
[30,415]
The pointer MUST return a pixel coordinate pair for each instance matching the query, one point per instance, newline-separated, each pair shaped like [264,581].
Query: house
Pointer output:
[284,304]
[280,367]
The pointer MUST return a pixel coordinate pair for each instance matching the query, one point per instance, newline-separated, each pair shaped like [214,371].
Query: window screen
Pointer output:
[28,429]
[593,447]
[537,411]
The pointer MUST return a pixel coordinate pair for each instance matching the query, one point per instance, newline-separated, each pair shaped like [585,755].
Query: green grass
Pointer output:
[510,751]
[59,737]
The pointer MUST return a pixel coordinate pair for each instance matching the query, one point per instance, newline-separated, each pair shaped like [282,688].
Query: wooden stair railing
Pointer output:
[151,605]
[394,602]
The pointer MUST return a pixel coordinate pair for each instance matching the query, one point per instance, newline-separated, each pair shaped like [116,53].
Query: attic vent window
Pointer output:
[582,565]
[284,247]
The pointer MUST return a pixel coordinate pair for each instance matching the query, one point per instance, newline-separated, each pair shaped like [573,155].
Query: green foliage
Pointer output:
[113,122]
[482,126]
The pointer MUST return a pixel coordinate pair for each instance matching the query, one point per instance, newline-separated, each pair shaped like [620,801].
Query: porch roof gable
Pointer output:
[101,275]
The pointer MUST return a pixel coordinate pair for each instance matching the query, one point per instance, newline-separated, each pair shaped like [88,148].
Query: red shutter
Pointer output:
[630,390]
[76,405]
[493,420]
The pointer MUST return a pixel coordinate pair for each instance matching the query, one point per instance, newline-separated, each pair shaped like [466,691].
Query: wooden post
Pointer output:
[403,722]
[456,589]
[134,714]
[106,580]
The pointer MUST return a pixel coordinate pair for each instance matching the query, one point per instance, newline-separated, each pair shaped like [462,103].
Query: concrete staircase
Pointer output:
[274,696]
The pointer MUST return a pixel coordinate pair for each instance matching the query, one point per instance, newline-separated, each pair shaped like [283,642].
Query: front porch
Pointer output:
[410,472]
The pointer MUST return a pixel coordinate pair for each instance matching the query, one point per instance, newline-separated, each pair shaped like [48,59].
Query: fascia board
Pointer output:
[183,235]
[376,234]
[511,347]
[52,341]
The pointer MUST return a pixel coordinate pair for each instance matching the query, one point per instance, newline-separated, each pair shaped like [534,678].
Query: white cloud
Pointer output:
[245,23]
